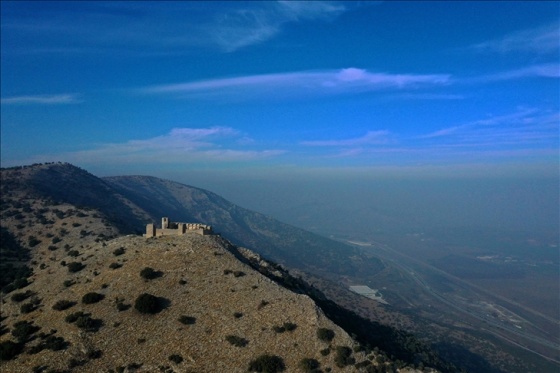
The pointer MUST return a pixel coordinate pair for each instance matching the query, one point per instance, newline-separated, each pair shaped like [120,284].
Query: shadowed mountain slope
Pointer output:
[276,240]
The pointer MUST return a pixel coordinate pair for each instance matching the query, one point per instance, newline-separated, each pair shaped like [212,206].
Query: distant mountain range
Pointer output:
[130,202]
[83,291]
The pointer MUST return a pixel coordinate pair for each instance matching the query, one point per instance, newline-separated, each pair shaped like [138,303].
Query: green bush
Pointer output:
[9,350]
[92,297]
[75,267]
[237,341]
[74,316]
[62,305]
[177,359]
[118,251]
[147,303]
[55,343]
[343,356]
[149,273]
[308,365]
[33,241]
[325,335]
[267,364]
[23,330]
[27,308]
[20,297]
[187,320]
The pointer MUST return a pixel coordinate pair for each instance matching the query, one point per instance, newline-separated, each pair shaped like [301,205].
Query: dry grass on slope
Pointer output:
[197,280]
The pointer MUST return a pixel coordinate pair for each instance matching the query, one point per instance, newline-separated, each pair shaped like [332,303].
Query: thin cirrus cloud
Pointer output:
[524,127]
[179,146]
[60,99]
[370,138]
[246,26]
[543,39]
[300,83]
[141,27]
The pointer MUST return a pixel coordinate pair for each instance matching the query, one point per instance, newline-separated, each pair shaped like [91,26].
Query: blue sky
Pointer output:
[158,88]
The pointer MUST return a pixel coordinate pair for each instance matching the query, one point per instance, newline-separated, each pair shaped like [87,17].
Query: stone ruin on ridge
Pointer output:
[173,229]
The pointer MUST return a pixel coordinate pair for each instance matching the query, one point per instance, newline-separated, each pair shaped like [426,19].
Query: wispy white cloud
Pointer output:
[145,28]
[60,99]
[179,146]
[300,83]
[543,39]
[547,70]
[523,127]
[261,21]
[370,138]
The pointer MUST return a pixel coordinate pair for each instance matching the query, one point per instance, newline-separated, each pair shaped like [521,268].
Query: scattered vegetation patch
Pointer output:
[71,318]
[20,297]
[23,330]
[177,359]
[147,303]
[267,364]
[74,267]
[237,341]
[343,356]
[9,350]
[237,315]
[187,320]
[325,335]
[33,241]
[115,265]
[238,273]
[150,274]
[92,297]
[121,306]
[62,305]
[308,365]
[27,308]
[119,251]
[262,304]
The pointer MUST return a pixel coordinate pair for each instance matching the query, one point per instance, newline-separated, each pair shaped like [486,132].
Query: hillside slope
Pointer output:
[276,240]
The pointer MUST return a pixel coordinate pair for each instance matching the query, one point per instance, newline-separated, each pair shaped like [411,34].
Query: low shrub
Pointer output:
[27,308]
[237,315]
[71,318]
[74,267]
[119,251]
[20,297]
[177,359]
[325,335]
[23,330]
[92,297]
[149,273]
[115,265]
[62,305]
[187,320]
[238,274]
[343,356]
[73,253]
[9,350]
[237,341]
[262,304]
[309,365]
[267,364]
[147,303]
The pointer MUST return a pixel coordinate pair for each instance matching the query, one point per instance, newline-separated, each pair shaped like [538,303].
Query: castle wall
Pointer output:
[171,229]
